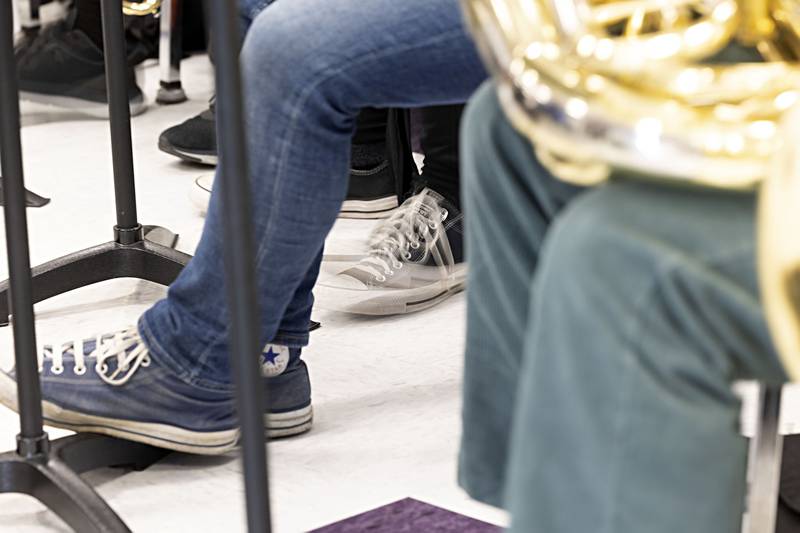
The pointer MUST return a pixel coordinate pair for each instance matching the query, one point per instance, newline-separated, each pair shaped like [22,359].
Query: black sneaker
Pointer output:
[62,67]
[371,193]
[194,140]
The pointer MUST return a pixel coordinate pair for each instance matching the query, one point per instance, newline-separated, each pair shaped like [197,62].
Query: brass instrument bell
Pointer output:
[140,9]
[700,92]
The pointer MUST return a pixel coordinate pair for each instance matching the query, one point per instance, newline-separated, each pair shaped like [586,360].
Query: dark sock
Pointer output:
[89,20]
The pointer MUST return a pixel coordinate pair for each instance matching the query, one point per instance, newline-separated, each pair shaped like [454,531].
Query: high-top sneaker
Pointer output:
[414,261]
[114,385]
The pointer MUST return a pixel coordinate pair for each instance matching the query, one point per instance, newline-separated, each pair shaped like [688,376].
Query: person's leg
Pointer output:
[309,67]
[439,143]
[302,98]
[504,211]
[644,308]
[415,258]
[195,139]
[249,10]
[372,192]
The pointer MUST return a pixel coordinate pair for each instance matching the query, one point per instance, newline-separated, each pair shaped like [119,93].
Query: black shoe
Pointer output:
[371,193]
[194,140]
[62,67]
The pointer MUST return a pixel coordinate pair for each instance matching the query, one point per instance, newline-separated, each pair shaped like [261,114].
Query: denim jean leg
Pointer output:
[294,326]
[644,310]
[502,208]
[309,67]
[249,10]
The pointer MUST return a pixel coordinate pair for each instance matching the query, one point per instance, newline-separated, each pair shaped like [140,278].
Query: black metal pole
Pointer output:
[19,265]
[240,277]
[128,228]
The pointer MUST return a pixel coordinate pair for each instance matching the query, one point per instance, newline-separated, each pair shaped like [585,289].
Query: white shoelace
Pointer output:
[116,347]
[392,241]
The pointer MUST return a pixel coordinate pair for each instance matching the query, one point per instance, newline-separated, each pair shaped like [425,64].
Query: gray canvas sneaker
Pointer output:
[414,261]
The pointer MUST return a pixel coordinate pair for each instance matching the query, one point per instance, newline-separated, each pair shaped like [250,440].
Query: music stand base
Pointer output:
[141,260]
[54,478]
[31,198]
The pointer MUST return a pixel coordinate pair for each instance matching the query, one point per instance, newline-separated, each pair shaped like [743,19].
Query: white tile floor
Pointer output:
[387,412]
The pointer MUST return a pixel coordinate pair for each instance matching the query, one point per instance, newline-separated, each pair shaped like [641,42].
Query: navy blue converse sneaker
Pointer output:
[112,385]
[286,380]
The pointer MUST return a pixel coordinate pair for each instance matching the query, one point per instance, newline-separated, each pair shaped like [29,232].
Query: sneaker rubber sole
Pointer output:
[390,301]
[201,158]
[289,424]
[369,209]
[85,107]
[159,435]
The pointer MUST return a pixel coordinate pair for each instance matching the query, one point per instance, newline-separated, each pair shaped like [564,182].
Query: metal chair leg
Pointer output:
[764,465]
[170,89]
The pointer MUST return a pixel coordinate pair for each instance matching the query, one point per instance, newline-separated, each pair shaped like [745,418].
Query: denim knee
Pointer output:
[249,9]
[284,67]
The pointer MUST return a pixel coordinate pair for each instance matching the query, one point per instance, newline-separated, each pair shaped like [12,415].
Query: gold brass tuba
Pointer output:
[649,87]
[140,9]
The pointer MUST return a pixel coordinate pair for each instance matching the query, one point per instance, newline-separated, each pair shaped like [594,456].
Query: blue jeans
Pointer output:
[309,67]
[605,327]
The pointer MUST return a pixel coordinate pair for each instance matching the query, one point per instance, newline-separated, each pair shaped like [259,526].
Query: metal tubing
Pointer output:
[166,68]
[240,277]
[170,52]
[766,453]
[19,265]
[120,115]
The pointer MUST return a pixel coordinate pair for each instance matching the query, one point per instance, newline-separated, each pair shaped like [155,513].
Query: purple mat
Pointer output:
[409,516]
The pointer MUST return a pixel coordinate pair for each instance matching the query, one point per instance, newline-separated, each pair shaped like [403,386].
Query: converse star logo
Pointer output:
[274,360]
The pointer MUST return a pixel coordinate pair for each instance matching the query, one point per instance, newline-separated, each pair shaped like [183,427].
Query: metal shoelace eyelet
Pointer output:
[57,370]
[381,278]
[79,370]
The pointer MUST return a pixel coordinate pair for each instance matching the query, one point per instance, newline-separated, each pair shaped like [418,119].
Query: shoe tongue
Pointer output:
[431,200]
[428,198]
[428,204]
